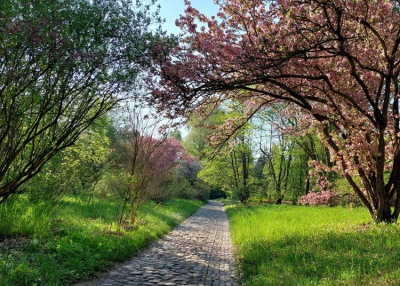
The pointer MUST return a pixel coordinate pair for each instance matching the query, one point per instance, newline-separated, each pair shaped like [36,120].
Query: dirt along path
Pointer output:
[197,252]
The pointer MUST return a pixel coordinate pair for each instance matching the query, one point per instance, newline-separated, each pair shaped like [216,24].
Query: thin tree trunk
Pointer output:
[307,188]
[234,170]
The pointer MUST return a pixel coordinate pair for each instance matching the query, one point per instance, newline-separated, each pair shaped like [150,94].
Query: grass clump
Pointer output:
[294,245]
[37,248]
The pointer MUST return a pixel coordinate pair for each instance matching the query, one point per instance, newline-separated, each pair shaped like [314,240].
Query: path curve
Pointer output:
[197,252]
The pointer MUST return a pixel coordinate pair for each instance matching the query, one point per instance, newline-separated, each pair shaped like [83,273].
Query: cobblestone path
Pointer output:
[197,252]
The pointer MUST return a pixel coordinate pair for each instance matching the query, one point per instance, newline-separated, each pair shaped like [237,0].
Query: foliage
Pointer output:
[176,134]
[185,182]
[73,246]
[62,65]
[77,169]
[295,245]
[200,128]
[146,162]
[217,172]
[227,167]
[180,187]
[334,65]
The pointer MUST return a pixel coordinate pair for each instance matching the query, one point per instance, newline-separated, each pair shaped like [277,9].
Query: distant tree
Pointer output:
[146,161]
[200,127]
[62,65]
[176,133]
[230,169]
[279,159]
[261,162]
[288,149]
[185,182]
[218,173]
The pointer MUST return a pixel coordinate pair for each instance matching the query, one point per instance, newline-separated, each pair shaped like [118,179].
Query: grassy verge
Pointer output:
[293,245]
[37,249]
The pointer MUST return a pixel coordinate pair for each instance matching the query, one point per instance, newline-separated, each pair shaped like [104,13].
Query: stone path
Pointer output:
[197,252]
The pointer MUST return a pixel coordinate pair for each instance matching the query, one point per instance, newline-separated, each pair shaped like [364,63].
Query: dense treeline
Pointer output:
[266,160]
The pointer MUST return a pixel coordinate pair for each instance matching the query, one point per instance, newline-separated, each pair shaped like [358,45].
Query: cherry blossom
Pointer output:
[334,64]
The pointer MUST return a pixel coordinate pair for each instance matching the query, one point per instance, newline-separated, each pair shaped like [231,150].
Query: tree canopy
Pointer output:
[335,65]
[62,65]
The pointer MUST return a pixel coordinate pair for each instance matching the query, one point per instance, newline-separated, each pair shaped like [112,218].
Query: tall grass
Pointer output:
[19,217]
[78,242]
[293,245]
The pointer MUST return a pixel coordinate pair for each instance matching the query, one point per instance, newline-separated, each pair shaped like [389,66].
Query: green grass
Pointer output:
[78,242]
[294,245]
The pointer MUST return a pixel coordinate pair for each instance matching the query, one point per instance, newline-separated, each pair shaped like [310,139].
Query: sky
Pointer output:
[172,9]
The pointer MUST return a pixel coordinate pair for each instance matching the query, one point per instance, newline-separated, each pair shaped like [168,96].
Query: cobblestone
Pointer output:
[197,252]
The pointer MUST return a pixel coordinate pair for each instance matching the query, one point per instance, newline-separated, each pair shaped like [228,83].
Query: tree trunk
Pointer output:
[244,169]
[244,193]
[279,195]
[384,212]
[307,189]
[234,169]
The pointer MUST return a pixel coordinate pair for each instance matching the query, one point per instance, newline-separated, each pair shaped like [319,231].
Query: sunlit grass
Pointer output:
[79,241]
[293,245]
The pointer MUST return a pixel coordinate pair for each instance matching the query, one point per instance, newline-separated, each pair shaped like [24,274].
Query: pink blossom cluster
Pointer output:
[164,154]
[317,198]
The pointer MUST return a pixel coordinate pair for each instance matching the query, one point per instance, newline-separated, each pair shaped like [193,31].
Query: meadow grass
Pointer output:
[78,242]
[296,245]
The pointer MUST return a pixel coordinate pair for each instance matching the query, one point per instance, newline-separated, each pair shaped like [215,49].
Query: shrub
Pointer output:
[318,198]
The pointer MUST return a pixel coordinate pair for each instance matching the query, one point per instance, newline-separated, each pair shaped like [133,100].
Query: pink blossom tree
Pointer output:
[147,159]
[334,64]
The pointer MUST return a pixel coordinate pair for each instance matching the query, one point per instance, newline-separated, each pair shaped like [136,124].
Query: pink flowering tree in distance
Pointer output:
[333,64]
[147,158]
